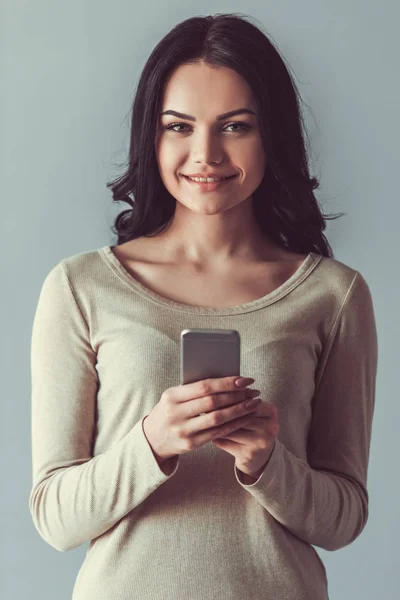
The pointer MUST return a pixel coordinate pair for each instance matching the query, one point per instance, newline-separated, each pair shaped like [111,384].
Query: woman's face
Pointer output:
[229,146]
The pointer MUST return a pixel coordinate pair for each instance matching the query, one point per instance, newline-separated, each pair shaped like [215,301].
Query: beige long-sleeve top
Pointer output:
[105,347]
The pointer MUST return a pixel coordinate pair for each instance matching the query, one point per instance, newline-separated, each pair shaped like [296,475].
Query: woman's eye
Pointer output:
[241,126]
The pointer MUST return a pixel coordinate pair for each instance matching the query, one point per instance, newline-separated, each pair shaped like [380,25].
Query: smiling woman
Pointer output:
[223,231]
[215,98]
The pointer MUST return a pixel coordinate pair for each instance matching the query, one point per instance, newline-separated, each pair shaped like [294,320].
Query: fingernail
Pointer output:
[244,381]
[252,393]
[252,403]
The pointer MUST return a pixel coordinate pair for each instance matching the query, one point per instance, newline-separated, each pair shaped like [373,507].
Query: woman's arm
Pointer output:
[76,497]
[324,500]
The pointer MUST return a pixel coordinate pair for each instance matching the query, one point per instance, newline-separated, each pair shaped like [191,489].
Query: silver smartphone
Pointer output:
[209,353]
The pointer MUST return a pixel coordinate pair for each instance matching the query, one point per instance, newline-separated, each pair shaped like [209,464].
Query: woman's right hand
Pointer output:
[176,424]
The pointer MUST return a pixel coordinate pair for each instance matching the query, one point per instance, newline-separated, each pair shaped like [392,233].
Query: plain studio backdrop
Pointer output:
[69,70]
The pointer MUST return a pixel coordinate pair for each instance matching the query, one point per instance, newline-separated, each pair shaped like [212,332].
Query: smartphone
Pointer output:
[209,353]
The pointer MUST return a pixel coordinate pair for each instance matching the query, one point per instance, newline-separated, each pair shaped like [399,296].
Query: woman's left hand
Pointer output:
[253,444]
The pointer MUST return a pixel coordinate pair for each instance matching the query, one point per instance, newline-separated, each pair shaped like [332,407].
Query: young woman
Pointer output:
[121,452]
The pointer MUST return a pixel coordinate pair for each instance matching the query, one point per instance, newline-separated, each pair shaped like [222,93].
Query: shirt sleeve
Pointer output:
[324,500]
[76,496]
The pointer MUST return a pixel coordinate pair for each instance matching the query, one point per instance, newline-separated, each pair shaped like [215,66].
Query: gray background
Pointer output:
[68,76]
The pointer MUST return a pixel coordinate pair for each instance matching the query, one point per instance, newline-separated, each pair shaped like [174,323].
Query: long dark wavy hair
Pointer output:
[284,203]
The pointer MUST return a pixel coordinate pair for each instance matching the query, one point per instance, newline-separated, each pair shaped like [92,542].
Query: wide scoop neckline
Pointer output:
[303,271]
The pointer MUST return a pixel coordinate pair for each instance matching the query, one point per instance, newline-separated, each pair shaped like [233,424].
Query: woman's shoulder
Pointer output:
[339,278]
[79,268]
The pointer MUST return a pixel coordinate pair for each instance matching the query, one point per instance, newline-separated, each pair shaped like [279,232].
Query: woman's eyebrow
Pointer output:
[232,113]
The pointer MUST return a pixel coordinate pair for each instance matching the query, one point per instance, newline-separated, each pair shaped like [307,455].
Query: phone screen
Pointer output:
[209,353]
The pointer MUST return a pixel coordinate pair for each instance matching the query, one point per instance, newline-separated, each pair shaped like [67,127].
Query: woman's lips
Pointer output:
[204,177]
[203,186]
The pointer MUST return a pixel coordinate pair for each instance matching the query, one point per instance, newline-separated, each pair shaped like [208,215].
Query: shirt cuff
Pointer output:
[270,467]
